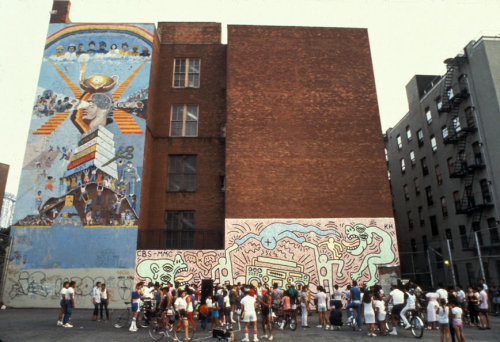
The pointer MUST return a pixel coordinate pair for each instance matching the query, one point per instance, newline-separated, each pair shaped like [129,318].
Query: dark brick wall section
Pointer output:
[209,146]
[60,12]
[303,129]
[189,33]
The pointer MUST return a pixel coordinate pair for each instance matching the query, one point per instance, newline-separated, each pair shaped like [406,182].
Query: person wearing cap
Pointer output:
[102,48]
[124,51]
[249,314]
[59,51]
[135,51]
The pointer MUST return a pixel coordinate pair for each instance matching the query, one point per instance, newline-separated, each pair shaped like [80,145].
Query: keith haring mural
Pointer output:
[86,136]
[305,251]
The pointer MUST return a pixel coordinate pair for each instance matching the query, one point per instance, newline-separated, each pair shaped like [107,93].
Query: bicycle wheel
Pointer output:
[142,320]
[156,330]
[181,335]
[123,318]
[417,327]
[293,324]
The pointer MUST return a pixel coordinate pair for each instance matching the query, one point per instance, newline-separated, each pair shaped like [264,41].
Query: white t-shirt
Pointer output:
[457,312]
[443,314]
[337,295]
[69,291]
[398,297]
[63,293]
[443,294]
[209,303]
[380,305]
[461,295]
[248,303]
[227,303]
[147,292]
[180,304]
[483,300]
[96,294]
[410,301]
[321,297]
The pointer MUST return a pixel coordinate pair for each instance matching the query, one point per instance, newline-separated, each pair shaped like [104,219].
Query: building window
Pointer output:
[449,93]
[400,142]
[478,157]
[485,191]
[444,208]
[434,225]
[421,216]
[434,143]
[456,199]
[416,182]
[181,173]
[492,228]
[388,175]
[469,117]
[184,121]
[408,133]
[412,157]
[463,237]
[180,229]
[444,132]
[428,194]
[439,103]
[456,124]
[439,176]
[451,165]
[187,73]
[386,155]
[406,192]
[428,116]
[403,165]
[449,237]
[410,220]
[420,137]
[425,169]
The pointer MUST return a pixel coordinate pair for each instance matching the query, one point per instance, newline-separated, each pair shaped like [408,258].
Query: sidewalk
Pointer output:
[40,325]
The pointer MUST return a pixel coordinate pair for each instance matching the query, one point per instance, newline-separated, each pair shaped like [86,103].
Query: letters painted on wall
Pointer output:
[305,251]
[79,195]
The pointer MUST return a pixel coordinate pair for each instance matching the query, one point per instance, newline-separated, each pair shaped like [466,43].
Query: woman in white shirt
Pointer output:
[456,315]
[180,306]
[432,305]
[69,297]
[443,313]
[62,302]
[380,312]
[104,301]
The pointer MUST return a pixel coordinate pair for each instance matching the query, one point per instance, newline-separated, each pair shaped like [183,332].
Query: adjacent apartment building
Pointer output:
[444,166]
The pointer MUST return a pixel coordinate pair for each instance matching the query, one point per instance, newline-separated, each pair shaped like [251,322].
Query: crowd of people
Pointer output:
[178,306]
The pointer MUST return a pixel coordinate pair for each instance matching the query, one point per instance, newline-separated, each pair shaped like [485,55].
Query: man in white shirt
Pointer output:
[248,305]
[443,294]
[398,299]
[483,308]
[96,299]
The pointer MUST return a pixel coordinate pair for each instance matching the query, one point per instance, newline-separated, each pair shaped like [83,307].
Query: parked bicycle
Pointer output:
[417,326]
[277,320]
[124,317]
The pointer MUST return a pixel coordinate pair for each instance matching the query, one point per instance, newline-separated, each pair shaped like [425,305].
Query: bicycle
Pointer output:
[417,326]
[125,317]
[277,320]
[158,329]
[351,321]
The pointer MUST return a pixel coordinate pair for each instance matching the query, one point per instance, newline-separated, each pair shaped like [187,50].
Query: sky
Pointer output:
[407,37]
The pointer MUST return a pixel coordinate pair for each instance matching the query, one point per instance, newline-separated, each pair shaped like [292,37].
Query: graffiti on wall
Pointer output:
[305,251]
[86,138]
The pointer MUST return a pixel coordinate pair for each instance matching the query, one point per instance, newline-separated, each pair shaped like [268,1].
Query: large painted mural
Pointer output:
[306,251]
[79,195]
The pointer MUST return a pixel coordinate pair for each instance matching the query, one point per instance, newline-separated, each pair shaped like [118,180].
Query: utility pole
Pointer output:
[430,267]
[451,264]
[479,256]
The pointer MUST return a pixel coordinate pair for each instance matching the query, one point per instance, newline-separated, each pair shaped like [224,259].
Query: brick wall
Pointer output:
[193,33]
[60,11]
[303,130]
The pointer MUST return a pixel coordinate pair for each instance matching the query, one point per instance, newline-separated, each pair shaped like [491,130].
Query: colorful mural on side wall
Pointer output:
[79,195]
[305,251]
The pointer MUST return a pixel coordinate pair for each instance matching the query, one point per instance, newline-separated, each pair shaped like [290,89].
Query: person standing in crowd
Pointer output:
[62,302]
[355,302]
[432,305]
[443,314]
[495,295]
[136,299]
[96,299]
[305,300]
[190,307]
[368,311]
[398,302]
[484,317]
[456,315]
[443,294]
[473,306]
[69,304]
[266,303]
[180,306]
[104,301]
[380,311]
[248,311]
[321,300]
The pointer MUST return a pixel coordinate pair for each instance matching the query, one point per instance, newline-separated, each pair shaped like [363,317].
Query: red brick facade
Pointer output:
[303,136]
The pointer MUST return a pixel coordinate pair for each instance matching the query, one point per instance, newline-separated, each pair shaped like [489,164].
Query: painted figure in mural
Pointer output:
[362,237]
[96,109]
[124,51]
[275,232]
[59,52]
[102,48]
[135,51]
[224,268]
[71,53]
[81,49]
[324,266]
[164,270]
[118,203]
[129,177]
[38,201]
[113,51]
[91,51]
[145,52]
[49,186]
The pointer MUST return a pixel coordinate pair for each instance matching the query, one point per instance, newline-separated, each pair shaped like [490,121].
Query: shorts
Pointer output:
[445,325]
[62,303]
[215,313]
[135,307]
[483,311]
[457,323]
[249,317]
[396,309]
[322,307]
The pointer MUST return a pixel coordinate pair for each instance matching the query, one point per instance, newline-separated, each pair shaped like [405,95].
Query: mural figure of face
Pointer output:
[96,109]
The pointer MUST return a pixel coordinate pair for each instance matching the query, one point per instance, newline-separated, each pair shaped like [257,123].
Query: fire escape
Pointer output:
[464,168]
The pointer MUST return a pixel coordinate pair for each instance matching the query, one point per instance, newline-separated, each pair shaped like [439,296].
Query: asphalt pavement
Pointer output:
[40,325]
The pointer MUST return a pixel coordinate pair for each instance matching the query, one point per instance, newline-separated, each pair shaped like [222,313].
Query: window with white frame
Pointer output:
[428,116]
[408,133]
[403,166]
[184,121]
[412,157]
[433,143]
[444,131]
[186,73]
[400,142]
